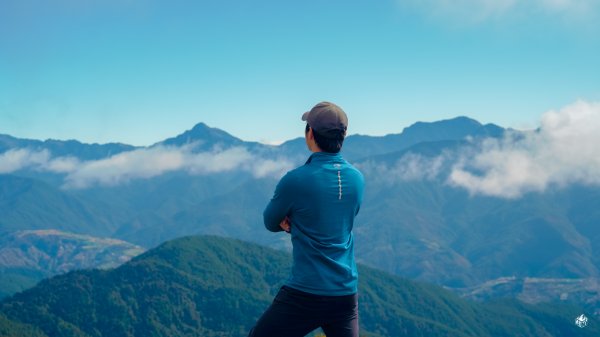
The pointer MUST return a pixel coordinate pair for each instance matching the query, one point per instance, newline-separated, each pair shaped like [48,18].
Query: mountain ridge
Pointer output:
[209,136]
[214,286]
[71,147]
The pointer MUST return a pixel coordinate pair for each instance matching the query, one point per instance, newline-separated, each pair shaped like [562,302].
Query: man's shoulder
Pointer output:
[293,175]
[297,171]
[349,166]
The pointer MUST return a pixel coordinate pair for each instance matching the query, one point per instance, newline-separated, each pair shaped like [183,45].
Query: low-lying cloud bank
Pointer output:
[409,167]
[563,151]
[142,163]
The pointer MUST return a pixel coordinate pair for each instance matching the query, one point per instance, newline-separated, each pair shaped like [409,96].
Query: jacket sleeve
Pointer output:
[280,205]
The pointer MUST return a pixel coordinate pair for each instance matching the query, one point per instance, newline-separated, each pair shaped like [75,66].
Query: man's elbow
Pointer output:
[272,227]
[270,224]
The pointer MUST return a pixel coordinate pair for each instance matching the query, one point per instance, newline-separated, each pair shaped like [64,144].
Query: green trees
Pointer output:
[211,286]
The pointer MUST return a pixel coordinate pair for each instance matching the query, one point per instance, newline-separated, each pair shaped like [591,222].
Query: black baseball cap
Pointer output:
[327,119]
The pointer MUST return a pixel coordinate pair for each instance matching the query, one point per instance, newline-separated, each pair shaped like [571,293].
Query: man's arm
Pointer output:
[279,207]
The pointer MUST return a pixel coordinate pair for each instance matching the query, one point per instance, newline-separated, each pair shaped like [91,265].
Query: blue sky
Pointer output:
[138,71]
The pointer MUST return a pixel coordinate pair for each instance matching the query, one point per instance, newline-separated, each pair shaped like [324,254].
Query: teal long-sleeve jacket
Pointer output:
[321,199]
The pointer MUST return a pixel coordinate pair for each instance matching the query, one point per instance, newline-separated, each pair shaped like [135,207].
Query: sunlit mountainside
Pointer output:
[29,256]
[212,286]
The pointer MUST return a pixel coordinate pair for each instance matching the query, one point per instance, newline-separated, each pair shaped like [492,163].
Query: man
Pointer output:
[316,203]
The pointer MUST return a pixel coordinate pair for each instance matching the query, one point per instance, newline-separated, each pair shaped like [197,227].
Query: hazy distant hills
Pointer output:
[413,222]
[62,148]
[539,290]
[211,286]
[26,257]
[29,203]
[361,146]
[420,228]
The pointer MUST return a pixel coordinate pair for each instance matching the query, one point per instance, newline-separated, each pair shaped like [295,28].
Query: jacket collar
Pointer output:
[323,156]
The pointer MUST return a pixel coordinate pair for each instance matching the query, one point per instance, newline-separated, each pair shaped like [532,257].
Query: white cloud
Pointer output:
[573,6]
[563,151]
[271,142]
[122,167]
[21,159]
[480,10]
[18,159]
[475,9]
[218,161]
[266,167]
[62,165]
[151,162]
[142,164]
[410,167]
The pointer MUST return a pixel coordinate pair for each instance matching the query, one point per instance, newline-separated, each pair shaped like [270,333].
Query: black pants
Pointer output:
[295,313]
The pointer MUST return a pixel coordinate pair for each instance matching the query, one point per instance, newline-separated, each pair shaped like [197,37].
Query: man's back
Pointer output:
[321,198]
[316,203]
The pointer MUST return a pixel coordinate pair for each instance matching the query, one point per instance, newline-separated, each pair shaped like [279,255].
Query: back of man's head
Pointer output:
[329,124]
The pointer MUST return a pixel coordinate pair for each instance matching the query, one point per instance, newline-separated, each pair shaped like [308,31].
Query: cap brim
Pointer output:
[305,115]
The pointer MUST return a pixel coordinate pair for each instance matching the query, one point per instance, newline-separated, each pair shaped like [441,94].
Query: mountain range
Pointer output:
[213,286]
[414,221]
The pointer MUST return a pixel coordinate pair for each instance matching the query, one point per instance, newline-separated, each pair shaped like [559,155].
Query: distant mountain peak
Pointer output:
[451,129]
[201,132]
[457,122]
[201,127]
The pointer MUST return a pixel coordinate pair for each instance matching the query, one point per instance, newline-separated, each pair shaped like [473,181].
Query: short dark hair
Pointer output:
[328,144]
